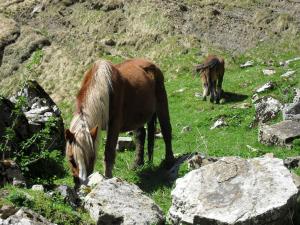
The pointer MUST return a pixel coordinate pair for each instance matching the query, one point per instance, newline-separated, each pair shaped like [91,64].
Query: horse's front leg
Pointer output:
[110,149]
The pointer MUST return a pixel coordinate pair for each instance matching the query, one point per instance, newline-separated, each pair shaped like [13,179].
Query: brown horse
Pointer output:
[212,73]
[117,98]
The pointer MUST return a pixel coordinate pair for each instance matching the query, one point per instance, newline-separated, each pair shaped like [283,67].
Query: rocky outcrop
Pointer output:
[114,201]
[11,173]
[281,134]
[39,109]
[11,216]
[235,191]
[291,111]
[266,109]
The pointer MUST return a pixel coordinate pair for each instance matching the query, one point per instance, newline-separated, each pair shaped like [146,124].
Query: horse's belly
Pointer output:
[134,117]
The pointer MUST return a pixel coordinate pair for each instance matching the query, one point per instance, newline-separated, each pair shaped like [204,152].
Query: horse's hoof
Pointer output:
[108,174]
[168,163]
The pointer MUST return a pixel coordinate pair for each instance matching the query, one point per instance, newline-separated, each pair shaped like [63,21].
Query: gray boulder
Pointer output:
[23,216]
[281,134]
[235,191]
[125,143]
[39,109]
[266,109]
[114,201]
[291,111]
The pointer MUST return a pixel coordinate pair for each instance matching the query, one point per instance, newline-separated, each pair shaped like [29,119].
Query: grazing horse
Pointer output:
[212,73]
[117,98]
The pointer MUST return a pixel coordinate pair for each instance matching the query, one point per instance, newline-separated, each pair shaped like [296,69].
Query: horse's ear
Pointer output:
[69,136]
[94,132]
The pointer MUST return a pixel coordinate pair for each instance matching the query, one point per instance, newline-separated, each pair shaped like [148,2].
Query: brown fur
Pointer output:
[212,73]
[137,97]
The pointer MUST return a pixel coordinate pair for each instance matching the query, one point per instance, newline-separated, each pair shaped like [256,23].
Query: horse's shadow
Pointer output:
[152,178]
[231,97]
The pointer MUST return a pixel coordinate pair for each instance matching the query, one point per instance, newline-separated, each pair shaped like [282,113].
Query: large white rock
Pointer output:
[114,201]
[235,191]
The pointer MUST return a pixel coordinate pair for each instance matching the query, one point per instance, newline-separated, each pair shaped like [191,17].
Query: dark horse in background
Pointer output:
[212,73]
[117,98]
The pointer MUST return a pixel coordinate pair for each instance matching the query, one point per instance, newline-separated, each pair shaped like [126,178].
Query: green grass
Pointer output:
[53,208]
[187,110]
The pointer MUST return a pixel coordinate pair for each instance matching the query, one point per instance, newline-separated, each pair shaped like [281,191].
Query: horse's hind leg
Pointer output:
[219,89]
[212,90]
[140,135]
[151,134]
[205,91]
[165,125]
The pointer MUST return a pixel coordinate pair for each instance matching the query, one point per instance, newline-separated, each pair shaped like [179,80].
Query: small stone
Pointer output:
[267,86]
[247,64]
[219,123]
[198,95]
[195,161]
[186,129]
[37,187]
[251,148]
[292,162]
[269,72]
[158,135]
[180,90]
[244,105]
[125,143]
[287,62]
[288,74]
[254,98]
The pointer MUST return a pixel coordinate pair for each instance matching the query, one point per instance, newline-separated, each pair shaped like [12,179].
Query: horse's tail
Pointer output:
[210,64]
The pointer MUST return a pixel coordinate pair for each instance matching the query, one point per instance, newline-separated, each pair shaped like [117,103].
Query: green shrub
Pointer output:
[37,161]
[20,199]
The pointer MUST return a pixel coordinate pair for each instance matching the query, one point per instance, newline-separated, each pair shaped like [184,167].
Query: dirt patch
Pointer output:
[77,31]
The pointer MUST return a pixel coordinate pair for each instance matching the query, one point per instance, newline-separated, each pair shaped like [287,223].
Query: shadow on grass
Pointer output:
[231,97]
[153,178]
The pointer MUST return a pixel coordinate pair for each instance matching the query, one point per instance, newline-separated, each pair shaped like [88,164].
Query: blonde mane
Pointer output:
[94,112]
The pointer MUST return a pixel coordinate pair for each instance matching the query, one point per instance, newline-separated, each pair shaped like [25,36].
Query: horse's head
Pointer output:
[81,153]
